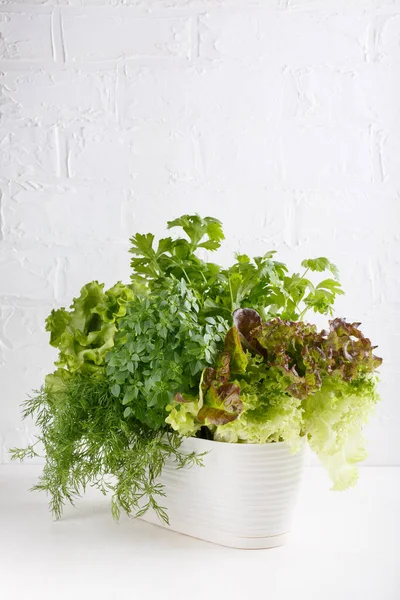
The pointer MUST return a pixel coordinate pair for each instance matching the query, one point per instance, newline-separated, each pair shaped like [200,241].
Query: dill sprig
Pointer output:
[88,442]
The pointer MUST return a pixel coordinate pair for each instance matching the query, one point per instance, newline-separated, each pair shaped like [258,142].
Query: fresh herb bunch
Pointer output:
[162,346]
[283,380]
[142,365]
[87,441]
[260,283]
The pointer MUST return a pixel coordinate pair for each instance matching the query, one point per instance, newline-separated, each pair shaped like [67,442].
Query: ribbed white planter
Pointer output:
[242,497]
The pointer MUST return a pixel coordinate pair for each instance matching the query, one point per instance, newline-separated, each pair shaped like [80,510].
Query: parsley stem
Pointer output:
[303,313]
[297,303]
[231,294]
[186,275]
[204,277]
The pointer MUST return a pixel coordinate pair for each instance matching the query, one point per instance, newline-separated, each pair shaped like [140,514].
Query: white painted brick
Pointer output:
[388,39]
[368,219]
[378,86]
[220,92]
[115,34]
[197,5]
[285,38]
[43,212]
[164,155]
[53,96]
[23,327]
[238,153]
[343,5]
[25,36]
[28,151]
[25,350]
[329,96]
[389,145]
[27,272]
[216,124]
[327,157]
[100,154]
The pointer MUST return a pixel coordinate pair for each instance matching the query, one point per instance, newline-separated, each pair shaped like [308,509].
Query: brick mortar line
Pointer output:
[57,37]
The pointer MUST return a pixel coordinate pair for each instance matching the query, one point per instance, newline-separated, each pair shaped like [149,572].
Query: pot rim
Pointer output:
[270,445]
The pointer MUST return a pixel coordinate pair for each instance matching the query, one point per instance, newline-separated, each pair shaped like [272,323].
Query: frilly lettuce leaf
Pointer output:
[292,382]
[57,380]
[332,420]
[269,414]
[85,333]
[207,377]
[304,355]
[182,415]
[218,401]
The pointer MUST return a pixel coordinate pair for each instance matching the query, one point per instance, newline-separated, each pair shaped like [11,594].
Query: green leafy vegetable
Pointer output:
[261,283]
[144,364]
[269,414]
[320,264]
[304,355]
[294,382]
[87,441]
[333,419]
[86,332]
[161,348]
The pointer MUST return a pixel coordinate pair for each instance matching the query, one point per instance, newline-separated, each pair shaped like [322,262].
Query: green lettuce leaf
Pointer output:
[269,414]
[182,415]
[86,332]
[333,419]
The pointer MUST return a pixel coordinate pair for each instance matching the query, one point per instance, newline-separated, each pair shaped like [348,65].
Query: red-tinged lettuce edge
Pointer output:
[305,355]
[222,404]
[219,401]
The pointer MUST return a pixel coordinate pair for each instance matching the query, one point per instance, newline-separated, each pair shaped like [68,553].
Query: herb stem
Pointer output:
[231,294]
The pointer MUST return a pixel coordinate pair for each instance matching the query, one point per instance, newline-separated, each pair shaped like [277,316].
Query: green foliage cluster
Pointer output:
[162,346]
[141,365]
[284,380]
[85,333]
[87,441]
[261,283]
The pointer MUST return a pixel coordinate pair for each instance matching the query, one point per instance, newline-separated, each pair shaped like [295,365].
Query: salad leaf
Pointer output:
[222,404]
[86,332]
[269,414]
[238,358]
[182,415]
[306,356]
[160,357]
[293,382]
[333,419]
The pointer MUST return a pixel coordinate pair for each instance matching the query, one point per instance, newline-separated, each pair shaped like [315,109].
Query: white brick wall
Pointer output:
[281,117]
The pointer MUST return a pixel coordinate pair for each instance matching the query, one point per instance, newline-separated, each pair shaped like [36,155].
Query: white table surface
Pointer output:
[344,546]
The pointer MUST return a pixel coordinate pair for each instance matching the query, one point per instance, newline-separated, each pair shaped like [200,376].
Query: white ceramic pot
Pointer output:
[242,497]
